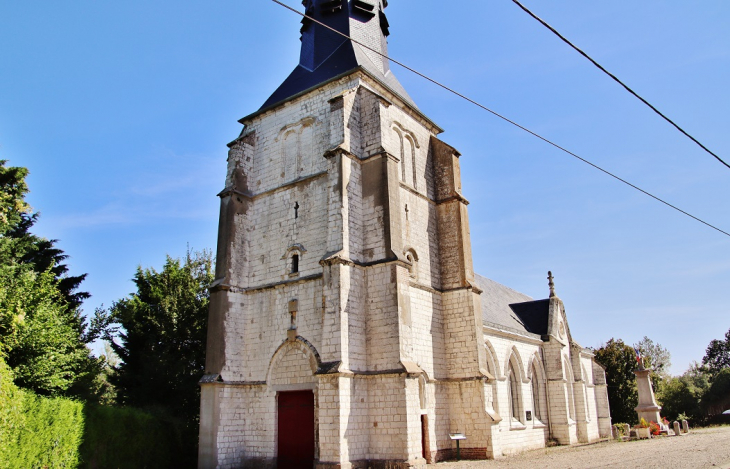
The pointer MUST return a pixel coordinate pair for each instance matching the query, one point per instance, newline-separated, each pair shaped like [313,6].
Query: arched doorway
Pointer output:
[291,375]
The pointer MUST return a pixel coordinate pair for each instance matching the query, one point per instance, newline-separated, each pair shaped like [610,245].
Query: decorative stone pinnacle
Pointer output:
[551,284]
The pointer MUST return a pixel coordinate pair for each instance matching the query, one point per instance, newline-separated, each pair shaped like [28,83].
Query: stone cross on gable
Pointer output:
[551,284]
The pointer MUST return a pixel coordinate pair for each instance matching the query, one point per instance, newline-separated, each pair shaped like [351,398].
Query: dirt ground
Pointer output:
[705,448]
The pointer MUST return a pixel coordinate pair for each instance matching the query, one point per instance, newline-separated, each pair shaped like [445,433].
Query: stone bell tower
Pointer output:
[344,328]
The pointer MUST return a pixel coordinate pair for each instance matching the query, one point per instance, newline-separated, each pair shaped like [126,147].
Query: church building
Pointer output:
[347,326]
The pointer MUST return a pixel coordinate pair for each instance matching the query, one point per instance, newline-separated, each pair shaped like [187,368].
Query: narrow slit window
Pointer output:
[295,263]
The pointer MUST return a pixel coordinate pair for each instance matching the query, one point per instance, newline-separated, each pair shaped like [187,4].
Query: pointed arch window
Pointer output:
[410,149]
[513,381]
[293,258]
[408,145]
[537,394]
[294,264]
[491,391]
[401,153]
[569,387]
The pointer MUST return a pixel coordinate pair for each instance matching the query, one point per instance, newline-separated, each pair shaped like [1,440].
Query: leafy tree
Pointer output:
[12,196]
[697,375]
[619,360]
[717,356]
[655,356]
[717,399]
[43,336]
[684,394]
[162,341]
[657,359]
[41,339]
[19,245]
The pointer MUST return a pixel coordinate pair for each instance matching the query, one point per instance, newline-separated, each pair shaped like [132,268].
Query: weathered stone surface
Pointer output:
[648,409]
[345,268]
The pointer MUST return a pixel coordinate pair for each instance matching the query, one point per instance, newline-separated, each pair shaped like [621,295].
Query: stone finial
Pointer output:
[551,284]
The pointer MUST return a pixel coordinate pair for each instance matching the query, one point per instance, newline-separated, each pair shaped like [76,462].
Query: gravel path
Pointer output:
[706,448]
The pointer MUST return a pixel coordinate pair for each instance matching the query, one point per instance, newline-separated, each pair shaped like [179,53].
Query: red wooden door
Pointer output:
[296,430]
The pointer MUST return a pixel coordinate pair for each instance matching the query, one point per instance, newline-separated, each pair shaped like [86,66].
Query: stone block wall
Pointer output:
[381,319]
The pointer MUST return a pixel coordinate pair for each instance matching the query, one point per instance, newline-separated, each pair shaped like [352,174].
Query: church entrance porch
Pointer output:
[296,430]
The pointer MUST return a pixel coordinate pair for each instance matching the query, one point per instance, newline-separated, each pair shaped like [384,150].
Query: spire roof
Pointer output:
[326,55]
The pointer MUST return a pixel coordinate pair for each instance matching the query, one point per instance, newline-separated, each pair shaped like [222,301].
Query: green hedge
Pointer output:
[122,438]
[43,433]
[37,432]
[11,412]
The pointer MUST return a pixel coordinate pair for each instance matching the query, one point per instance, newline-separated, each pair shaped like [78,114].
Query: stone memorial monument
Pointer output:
[648,408]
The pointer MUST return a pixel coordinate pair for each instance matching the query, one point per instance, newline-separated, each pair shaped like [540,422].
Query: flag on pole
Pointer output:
[638,355]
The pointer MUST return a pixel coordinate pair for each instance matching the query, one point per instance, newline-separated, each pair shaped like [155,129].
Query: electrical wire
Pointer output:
[626,87]
[466,98]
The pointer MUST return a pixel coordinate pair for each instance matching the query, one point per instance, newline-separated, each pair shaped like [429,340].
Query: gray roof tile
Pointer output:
[509,309]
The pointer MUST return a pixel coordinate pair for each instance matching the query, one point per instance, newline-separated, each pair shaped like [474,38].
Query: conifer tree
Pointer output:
[43,335]
[161,344]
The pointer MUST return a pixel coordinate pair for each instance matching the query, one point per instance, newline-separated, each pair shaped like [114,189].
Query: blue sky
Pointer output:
[121,111]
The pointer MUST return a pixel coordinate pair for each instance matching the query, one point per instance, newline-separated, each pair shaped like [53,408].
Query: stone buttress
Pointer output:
[345,312]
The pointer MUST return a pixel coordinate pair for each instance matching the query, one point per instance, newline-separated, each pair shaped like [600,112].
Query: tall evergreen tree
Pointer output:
[44,256]
[43,335]
[162,340]
[12,196]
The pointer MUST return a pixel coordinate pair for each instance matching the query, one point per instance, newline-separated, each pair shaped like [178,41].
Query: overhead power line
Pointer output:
[626,87]
[466,98]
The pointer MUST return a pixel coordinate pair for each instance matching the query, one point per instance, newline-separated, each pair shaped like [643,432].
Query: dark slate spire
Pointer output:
[326,55]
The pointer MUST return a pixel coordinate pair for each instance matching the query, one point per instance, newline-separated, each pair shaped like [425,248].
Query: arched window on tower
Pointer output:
[290,150]
[293,257]
[410,149]
[294,264]
[401,154]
